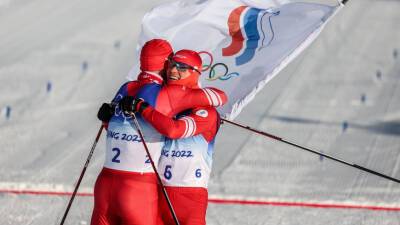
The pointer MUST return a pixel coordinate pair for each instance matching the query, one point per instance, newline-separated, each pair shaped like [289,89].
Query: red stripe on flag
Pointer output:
[235,32]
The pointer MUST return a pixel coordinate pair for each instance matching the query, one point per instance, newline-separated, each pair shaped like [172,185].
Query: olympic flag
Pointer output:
[243,43]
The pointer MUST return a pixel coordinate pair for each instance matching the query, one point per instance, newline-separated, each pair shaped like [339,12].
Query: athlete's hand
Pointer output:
[130,105]
[105,112]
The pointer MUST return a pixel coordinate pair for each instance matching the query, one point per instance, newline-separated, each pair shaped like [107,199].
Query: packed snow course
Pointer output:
[60,60]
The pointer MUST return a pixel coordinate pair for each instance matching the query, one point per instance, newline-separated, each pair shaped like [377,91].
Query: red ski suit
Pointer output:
[129,197]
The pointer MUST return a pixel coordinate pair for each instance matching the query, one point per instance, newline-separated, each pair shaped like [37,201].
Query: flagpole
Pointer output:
[312,151]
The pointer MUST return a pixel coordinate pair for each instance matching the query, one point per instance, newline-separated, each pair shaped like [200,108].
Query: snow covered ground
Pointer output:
[60,59]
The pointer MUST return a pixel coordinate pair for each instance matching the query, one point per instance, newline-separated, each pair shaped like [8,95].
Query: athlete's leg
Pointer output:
[138,200]
[165,212]
[195,204]
[101,212]
[190,205]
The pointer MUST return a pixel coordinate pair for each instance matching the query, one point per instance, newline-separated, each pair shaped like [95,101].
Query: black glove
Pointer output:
[105,113]
[129,104]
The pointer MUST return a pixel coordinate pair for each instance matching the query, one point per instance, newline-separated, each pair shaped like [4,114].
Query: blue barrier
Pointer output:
[85,66]
[117,44]
[345,125]
[363,98]
[49,86]
[8,112]
[379,75]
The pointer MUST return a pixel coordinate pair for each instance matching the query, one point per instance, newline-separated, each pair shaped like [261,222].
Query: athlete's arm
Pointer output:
[182,98]
[106,111]
[208,96]
[200,121]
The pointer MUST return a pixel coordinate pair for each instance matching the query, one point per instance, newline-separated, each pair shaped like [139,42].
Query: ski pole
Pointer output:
[82,173]
[312,151]
[171,209]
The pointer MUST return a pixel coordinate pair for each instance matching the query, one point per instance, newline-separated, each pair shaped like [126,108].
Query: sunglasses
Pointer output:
[181,67]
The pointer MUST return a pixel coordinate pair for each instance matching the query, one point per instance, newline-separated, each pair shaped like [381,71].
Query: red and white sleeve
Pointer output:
[215,96]
[204,97]
[198,122]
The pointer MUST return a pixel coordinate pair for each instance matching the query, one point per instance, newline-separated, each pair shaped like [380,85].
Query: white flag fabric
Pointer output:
[243,43]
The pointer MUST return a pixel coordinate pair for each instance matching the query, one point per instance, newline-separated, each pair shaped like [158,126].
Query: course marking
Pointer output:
[233,200]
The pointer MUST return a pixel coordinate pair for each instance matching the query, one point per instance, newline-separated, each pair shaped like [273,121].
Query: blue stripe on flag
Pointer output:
[252,36]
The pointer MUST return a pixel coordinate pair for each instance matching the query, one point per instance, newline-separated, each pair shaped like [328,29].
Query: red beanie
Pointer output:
[188,57]
[154,54]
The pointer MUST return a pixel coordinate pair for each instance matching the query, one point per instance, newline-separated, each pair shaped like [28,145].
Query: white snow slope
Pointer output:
[84,50]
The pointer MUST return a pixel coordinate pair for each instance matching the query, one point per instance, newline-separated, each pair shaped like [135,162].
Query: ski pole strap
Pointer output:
[313,151]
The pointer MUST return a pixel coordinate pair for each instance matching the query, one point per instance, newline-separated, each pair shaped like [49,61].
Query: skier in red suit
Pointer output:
[126,190]
[186,157]
[124,185]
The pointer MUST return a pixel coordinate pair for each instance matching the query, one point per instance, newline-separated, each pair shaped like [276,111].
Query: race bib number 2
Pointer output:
[117,152]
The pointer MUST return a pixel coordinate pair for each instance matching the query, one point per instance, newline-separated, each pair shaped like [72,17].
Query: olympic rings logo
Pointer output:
[217,71]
